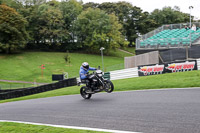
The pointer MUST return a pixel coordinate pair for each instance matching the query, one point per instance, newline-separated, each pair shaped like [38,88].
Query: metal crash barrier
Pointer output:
[7,94]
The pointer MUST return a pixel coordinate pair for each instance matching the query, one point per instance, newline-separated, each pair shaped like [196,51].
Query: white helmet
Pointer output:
[85,65]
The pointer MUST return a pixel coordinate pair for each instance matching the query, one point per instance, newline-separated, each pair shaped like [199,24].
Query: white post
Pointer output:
[65,74]
[102,48]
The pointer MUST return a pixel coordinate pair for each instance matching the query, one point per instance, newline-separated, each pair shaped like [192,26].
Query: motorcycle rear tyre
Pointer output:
[84,94]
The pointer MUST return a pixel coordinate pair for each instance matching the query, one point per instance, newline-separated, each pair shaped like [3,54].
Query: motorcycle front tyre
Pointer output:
[84,94]
[109,86]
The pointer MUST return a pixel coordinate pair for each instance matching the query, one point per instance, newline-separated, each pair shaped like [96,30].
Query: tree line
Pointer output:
[72,25]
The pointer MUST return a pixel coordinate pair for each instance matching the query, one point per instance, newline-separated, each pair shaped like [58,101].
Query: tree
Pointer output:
[67,58]
[95,29]
[132,24]
[12,30]
[49,24]
[146,24]
[115,36]
[128,16]
[70,10]
[169,15]
[90,5]
[12,3]
[29,3]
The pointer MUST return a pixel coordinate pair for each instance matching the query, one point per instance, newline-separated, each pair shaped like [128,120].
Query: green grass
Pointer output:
[118,53]
[25,66]
[171,80]
[10,127]
[8,85]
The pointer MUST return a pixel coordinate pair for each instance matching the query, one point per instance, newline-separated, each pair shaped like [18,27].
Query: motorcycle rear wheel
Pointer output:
[84,94]
[109,87]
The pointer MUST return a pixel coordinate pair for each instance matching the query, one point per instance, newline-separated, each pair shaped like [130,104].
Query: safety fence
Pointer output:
[198,64]
[119,74]
[7,94]
[124,73]
[114,67]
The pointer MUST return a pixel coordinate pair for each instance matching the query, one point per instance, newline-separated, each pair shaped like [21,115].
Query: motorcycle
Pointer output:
[97,84]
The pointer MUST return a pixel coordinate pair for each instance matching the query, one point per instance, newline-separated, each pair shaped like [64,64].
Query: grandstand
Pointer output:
[169,36]
[173,42]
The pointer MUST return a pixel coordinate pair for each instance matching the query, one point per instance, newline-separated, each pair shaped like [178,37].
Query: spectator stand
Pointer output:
[169,36]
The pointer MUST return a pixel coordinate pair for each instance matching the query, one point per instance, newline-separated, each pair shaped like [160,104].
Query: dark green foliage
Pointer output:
[135,21]
[12,30]
[96,29]
[169,15]
[67,58]
[61,25]
[128,15]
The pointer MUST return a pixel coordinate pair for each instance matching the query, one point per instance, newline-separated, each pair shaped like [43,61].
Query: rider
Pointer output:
[84,76]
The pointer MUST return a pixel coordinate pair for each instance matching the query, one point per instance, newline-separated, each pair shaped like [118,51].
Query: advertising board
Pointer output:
[178,66]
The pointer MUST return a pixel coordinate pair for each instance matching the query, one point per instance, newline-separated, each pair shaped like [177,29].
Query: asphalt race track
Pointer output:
[151,111]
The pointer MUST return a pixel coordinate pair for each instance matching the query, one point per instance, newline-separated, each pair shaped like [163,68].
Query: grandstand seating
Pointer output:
[171,38]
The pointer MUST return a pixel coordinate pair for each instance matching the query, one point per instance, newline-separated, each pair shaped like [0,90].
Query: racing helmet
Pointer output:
[85,65]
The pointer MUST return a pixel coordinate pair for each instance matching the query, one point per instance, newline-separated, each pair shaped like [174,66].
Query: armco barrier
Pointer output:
[198,64]
[124,73]
[34,90]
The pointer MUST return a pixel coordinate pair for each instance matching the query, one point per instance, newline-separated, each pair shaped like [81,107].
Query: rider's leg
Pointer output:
[88,84]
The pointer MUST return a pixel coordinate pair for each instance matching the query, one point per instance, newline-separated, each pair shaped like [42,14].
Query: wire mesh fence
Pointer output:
[114,67]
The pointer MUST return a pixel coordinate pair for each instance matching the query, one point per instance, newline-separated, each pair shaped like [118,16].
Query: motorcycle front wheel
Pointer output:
[84,94]
[109,87]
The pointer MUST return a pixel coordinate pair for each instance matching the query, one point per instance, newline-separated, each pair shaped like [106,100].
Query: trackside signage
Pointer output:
[151,70]
[167,68]
[181,67]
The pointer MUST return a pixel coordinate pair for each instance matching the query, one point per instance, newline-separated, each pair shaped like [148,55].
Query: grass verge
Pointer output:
[129,49]
[170,80]
[26,66]
[10,127]
[118,53]
[10,85]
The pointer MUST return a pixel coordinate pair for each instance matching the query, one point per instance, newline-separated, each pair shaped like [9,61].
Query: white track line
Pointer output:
[71,127]
[167,89]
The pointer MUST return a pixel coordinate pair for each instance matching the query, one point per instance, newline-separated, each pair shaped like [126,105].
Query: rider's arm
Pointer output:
[91,68]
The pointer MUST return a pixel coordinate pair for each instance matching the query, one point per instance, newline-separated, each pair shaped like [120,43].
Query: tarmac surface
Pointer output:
[148,111]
